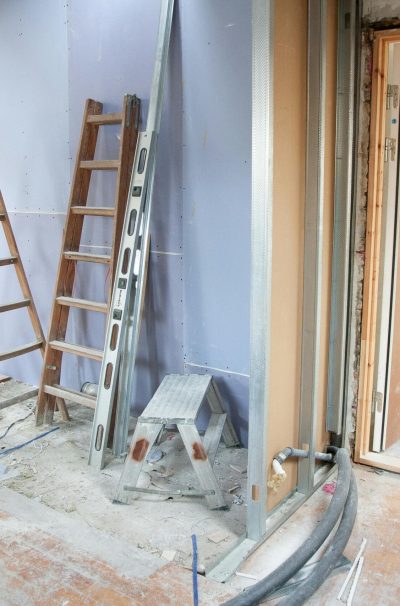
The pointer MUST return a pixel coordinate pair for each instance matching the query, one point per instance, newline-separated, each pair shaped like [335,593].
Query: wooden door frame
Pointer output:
[363,453]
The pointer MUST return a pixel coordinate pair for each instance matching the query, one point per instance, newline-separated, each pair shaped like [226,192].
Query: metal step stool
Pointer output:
[178,401]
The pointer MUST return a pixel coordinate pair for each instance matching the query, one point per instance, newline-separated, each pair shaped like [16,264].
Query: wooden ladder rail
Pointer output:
[27,300]
[50,391]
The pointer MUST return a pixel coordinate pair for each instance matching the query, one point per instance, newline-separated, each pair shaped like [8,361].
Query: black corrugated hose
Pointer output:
[344,501]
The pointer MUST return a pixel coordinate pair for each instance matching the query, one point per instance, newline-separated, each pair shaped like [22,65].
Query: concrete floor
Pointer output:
[393,450]
[63,542]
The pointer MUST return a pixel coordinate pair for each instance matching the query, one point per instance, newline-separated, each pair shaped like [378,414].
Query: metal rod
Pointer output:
[342,214]
[261,262]
[177,493]
[125,313]
[137,295]
[160,67]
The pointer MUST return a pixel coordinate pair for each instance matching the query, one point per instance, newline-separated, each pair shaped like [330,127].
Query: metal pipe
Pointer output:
[287,452]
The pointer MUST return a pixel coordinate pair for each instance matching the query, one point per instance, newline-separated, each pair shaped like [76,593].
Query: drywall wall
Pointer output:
[111,52]
[196,315]
[55,57]
[216,52]
[290,120]
[290,112]
[34,160]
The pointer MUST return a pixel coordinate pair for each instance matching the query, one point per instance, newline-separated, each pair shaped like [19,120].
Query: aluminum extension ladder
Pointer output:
[123,327]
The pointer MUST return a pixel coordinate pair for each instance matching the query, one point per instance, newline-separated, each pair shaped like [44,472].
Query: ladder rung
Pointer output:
[19,351]
[70,394]
[2,216]
[82,304]
[78,350]
[8,261]
[15,305]
[79,256]
[98,211]
[115,118]
[100,164]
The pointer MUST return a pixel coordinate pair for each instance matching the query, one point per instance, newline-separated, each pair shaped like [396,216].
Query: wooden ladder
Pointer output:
[27,300]
[50,391]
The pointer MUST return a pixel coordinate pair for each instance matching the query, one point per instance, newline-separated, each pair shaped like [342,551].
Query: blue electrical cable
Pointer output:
[194,572]
[41,435]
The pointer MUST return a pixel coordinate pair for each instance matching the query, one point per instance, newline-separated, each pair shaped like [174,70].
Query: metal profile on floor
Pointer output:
[313,239]
[342,213]
[228,564]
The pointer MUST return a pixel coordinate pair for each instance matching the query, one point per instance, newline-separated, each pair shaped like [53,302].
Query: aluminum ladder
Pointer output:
[178,401]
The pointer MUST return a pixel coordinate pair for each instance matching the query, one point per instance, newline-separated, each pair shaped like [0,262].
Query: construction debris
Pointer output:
[168,555]
[353,566]
[356,578]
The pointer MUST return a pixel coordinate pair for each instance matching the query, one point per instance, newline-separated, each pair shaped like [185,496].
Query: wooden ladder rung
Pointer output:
[8,261]
[99,164]
[97,211]
[115,118]
[82,304]
[70,394]
[78,350]
[15,305]
[79,256]
[19,351]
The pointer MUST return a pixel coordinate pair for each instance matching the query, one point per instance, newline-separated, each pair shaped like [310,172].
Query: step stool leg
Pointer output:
[216,404]
[212,437]
[201,465]
[143,439]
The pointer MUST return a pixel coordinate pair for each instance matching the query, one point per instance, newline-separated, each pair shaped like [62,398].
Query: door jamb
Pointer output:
[362,453]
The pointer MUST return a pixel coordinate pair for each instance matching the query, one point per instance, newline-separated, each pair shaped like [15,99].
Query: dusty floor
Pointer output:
[394,449]
[63,542]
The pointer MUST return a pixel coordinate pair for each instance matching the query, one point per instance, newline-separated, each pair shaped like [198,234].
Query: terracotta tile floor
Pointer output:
[46,560]
[38,568]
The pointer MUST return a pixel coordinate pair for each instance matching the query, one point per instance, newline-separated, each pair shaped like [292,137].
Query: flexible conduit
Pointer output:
[343,501]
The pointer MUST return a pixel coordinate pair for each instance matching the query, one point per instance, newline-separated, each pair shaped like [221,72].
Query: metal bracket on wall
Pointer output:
[261,264]
[313,239]
[342,214]
[123,326]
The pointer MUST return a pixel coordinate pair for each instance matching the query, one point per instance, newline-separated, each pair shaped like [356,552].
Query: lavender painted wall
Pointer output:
[216,43]
[196,316]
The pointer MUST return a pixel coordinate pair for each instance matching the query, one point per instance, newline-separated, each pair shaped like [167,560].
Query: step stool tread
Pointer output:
[178,397]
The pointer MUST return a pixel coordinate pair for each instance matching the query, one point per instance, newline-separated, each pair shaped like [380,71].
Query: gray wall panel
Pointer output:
[111,52]
[34,160]
[216,39]
[204,141]
[38,238]
[234,389]
[160,347]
